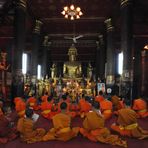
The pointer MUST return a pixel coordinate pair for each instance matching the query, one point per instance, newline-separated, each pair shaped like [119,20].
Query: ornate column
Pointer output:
[45,61]
[126,47]
[35,49]
[19,32]
[110,69]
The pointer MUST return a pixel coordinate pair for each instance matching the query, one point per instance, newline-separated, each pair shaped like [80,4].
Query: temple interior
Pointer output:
[76,48]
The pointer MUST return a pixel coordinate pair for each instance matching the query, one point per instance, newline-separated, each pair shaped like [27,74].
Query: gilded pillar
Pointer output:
[126,47]
[110,69]
[19,47]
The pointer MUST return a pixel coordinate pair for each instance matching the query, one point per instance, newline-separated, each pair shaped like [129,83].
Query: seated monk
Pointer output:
[100,97]
[44,98]
[74,109]
[127,124]
[140,106]
[32,102]
[61,130]
[28,133]
[85,106]
[106,108]
[46,108]
[7,131]
[64,99]
[94,130]
[20,106]
[117,103]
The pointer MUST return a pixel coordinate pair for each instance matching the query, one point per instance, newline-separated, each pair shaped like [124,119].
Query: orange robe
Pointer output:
[140,107]
[74,109]
[106,109]
[127,124]
[44,98]
[99,98]
[33,103]
[85,107]
[94,130]
[117,104]
[46,109]
[20,106]
[6,133]
[27,132]
[61,130]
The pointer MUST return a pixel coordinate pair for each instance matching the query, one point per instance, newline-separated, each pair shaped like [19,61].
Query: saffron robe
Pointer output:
[94,130]
[61,130]
[27,132]
[140,106]
[106,109]
[127,124]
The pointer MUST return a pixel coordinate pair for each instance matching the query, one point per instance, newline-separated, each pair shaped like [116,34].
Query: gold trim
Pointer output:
[108,23]
[124,3]
[129,127]
[37,28]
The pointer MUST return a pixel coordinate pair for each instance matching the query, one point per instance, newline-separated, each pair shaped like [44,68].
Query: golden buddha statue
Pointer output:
[72,68]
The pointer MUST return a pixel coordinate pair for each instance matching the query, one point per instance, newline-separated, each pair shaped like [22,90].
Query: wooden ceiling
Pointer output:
[90,25]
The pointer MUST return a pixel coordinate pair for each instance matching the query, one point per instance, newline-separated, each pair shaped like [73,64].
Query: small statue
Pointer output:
[3,63]
[53,71]
[89,71]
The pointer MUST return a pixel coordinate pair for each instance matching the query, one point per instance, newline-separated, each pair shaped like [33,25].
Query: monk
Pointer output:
[127,124]
[100,97]
[20,106]
[64,99]
[74,109]
[117,103]
[46,108]
[26,128]
[94,130]
[7,132]
[85,106]
[106,109]
[140,106]
[61,130]
[32,102]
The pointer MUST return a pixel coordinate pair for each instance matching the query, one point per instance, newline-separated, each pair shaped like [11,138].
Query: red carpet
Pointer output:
[78,142]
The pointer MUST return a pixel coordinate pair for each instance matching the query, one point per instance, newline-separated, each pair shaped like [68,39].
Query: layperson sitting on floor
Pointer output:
[26,127]
[127,124]
[61,126]
[94,129]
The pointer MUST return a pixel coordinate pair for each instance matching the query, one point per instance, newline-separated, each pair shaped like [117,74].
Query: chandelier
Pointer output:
[72,12]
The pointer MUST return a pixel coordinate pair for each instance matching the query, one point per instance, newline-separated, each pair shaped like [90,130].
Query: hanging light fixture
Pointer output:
[72,12]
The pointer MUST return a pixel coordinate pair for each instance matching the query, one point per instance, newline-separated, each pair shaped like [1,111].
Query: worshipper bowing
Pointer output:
[127,124]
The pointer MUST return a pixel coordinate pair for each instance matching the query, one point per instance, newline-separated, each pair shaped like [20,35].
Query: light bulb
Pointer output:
[72,7]
[72,18]
[66,16]
[63,12]
[78,9]
[66,8]
[77,16]
[80,13]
